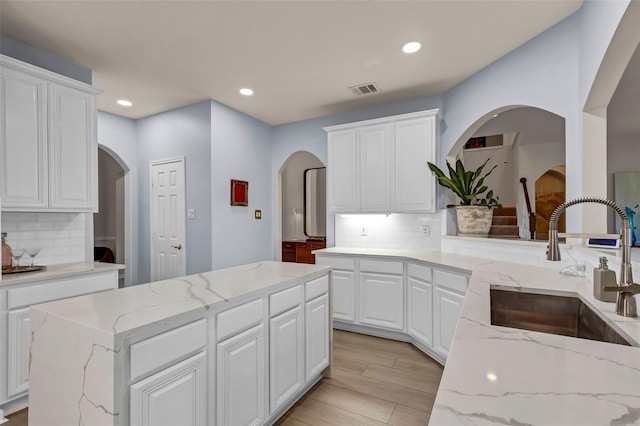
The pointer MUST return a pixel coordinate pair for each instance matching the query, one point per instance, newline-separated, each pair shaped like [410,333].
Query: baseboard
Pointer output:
[14,405]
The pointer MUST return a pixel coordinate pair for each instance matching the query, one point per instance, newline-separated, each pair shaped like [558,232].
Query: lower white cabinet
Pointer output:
[420,310]
[446,312]
[382,300]
[176,395]
[241,378]
[19,339]
[344,295]
[317,335]
[286,352]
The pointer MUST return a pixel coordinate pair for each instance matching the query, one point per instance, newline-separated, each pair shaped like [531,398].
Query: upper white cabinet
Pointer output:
[380,166]
[49,143]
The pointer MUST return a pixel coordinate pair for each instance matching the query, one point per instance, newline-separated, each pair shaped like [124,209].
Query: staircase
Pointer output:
[505,223]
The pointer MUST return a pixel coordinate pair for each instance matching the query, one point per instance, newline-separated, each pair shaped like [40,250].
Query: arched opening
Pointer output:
[291,200]
[550,193]
[524,142]
[112,224]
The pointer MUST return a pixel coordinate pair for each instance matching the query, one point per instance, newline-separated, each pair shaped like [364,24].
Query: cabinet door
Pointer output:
[23,143]
[317,335]
[446,308]
[374,168]
[288,251]
[342,175]
[414,144]
[18,352]
[241,379]
[176,395]
[344,295]
[286,350]
[382,300]
[420,310]
[73,150]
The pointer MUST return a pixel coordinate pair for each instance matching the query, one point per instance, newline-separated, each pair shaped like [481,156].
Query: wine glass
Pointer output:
[17,255]
[33,252]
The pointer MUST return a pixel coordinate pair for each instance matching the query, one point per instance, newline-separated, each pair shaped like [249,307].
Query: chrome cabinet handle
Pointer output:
[179,247]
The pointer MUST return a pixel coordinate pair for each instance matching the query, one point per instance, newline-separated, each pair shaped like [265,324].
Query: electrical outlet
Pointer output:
[426,230]
[363,230]
[191,213]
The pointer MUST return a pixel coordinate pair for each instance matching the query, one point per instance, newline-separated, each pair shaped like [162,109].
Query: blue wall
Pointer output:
[180,132]
[42,59]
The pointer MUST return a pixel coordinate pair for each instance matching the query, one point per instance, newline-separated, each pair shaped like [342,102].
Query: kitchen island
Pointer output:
[501,375]
[233,346]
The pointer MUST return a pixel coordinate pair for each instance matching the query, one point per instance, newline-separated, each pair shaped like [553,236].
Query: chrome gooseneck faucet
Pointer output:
[625,302]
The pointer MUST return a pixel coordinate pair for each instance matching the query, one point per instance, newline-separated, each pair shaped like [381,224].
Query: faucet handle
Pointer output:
[629,288]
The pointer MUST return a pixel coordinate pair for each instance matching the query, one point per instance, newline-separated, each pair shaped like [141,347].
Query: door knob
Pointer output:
[179,247]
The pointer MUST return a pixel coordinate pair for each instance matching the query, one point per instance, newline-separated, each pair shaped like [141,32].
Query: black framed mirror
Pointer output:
[315,203]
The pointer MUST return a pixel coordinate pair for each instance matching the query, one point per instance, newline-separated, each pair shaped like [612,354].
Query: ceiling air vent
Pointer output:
[364,89]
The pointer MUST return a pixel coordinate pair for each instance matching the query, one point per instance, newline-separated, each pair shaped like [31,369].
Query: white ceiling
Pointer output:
[298,56]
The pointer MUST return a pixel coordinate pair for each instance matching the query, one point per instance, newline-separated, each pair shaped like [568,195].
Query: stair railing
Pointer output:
[532,215]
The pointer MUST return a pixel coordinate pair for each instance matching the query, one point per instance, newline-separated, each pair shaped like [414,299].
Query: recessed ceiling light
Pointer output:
[124,102]
[411,47]
[246,92]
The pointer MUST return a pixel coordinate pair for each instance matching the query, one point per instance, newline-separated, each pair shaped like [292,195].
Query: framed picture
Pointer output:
[472,143]
[239,193]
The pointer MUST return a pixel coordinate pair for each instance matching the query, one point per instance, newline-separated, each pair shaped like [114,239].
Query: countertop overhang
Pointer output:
[500,375]
[59,271]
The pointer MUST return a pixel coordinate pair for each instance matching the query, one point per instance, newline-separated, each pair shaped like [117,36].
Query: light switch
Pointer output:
[191,213]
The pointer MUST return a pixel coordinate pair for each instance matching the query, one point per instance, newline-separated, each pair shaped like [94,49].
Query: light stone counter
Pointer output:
[499,375]
[78,354]
[59,271]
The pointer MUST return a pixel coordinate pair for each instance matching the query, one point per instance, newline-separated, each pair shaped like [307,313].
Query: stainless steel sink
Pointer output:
[563,315]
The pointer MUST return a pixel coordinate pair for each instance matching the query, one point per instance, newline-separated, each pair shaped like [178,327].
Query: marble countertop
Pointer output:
[500,375]
[59,271]
[127,309]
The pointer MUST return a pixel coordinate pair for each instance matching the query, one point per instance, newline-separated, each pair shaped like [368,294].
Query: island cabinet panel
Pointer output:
[241,378]
[318,334]
[19,339]
[447,307]
[174,396]
[286,351]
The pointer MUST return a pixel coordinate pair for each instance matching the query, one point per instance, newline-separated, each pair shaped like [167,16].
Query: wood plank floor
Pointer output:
[375,382]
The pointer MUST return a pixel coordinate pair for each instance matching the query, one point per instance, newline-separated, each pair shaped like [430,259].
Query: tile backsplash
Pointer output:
[395,231]
[61,236]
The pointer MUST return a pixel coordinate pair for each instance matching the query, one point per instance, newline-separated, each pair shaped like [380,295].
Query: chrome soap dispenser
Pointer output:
[604,277]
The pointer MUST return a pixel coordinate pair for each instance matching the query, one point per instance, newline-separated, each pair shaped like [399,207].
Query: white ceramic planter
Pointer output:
[474,221]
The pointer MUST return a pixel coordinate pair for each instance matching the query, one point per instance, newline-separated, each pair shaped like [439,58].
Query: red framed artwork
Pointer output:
[239,193]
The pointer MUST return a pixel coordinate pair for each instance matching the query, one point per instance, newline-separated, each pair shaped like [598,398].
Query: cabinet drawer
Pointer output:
[451,281]
[166,348]
[285,300]
[381,266]
[420,272]
[62,289]
[317,287]
[239,318]
[346,263]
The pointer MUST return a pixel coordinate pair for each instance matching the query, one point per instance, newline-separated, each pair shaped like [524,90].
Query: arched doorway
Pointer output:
[550,193]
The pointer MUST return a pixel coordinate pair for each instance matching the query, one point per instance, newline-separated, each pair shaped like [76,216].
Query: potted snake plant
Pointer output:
[475,210]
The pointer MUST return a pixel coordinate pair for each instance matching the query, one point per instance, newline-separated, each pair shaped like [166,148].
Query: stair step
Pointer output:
[505,211]
[505,237]
[503,230]
[504,220]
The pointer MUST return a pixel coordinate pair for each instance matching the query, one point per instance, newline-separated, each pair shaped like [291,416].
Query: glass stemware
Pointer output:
[33,252]
[17,255]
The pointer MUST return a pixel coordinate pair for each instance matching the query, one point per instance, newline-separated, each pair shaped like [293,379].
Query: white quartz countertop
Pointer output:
[59,271]
[127,309]
[499,375]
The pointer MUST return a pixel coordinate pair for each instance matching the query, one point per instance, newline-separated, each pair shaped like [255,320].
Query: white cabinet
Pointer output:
[317,335]
[381,165]
[342,172]
[374,168]
[241,378]
[23,140]
[382,300]
[447,304]
[286,352]
[414,185]
[344,295]
[73,149]
[49,140]
[19,339]
[175,395]
[420,310]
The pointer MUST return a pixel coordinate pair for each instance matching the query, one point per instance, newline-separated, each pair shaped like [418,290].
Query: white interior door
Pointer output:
[168,235]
